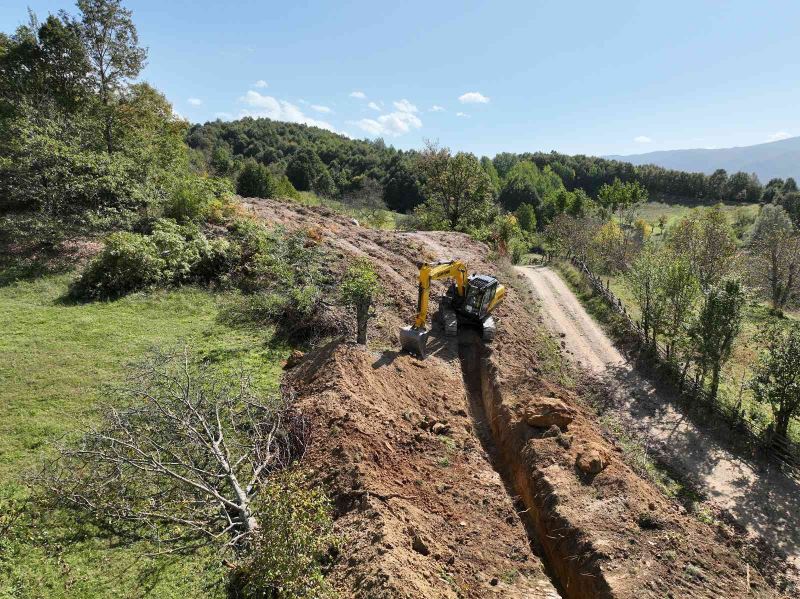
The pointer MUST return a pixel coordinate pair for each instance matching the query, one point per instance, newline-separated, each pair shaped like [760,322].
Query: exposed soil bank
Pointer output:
[561,546]
[422,512]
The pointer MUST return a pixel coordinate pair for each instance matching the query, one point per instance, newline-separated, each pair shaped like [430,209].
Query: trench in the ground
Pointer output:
[551,538]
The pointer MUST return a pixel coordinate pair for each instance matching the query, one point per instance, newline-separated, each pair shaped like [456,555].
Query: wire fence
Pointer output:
[757,437]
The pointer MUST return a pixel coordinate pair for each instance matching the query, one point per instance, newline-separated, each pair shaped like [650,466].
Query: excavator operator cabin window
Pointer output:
[488,294]
[473,301]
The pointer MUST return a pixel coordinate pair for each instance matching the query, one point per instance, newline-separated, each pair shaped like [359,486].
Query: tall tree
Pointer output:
[718,325]
[458,191]
[775,252]
[706,239]
[777,376]
[307,172]
[494,178]
[680,291]
[717,184]
[646,279]
[112,46]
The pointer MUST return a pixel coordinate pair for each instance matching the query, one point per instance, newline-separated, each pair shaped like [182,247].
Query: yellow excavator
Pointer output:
[469,298]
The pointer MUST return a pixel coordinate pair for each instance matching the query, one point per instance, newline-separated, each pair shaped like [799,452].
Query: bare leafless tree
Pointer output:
[180,455]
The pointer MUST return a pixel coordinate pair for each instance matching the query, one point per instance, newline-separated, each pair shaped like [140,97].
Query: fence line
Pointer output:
[777,447]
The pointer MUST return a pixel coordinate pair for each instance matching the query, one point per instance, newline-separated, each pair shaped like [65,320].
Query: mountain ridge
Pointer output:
[768,160]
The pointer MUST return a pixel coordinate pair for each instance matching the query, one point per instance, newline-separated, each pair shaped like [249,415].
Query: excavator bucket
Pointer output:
[414,340]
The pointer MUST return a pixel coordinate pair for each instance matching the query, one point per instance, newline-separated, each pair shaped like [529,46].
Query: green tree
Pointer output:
[706,239]
[520,187]
[777,376]
[775,254]
[790,201]
[717,184]
[402,189]
[718,325]
[526,215]
[646,280]
[504,162]
[112,46]
[772,192]
[622,197]
[742,187]
[494,178]
[457,190]
[681,291]
[358,289]
[255,181]
[308,173]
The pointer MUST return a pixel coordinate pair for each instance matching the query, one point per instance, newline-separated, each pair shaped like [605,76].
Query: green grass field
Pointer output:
[55,359]
[652,212]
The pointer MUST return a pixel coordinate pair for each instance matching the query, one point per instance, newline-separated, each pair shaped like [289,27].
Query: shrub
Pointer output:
[172,254]
[284,559]
[128,262]
[285,189]
[194,199]
[255,181]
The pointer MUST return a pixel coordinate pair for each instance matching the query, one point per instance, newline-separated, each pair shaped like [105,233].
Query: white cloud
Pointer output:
[261,84]
[462,114]
[392,124]
[359,95]
[194,101]
[642,139]
[374,106]
[779,135]
[473,98]
[320,108]
[436,108]
[223,116]
[404,106]
[279,110]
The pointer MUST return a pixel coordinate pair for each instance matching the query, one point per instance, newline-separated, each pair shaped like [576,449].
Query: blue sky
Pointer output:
[577,77]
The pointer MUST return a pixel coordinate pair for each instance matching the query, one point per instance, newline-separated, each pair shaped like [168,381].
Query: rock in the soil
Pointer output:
[440,428]
[544,412]
[591,460]
[419,545]
[294,359]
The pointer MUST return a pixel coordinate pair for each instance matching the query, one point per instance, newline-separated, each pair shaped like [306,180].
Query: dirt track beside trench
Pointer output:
[766,503]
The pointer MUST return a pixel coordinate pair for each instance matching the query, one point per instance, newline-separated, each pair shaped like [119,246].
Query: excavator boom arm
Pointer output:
[434,271]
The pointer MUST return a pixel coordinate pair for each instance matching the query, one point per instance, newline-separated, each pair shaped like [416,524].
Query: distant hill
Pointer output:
[767,160]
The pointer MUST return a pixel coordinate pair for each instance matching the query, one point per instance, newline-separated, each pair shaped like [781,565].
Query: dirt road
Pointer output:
[767,503]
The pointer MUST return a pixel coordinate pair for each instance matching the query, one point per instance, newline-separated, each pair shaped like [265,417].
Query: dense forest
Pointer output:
[349,163]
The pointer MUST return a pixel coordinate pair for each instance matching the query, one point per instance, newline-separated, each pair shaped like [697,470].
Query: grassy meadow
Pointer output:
[55,359]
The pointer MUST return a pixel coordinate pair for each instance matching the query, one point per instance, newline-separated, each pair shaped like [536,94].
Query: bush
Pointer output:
[194,199]
[255,181]
[172,254]
[128,262]
[285,189]
[284,560]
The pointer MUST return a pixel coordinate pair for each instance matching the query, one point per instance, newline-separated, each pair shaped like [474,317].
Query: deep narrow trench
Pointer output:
[548,534]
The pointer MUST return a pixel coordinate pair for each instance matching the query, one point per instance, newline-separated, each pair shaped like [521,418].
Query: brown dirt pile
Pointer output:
[411,451]
[422,511]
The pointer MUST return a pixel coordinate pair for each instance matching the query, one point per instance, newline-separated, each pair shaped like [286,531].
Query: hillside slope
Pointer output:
[767,160]
[446,478]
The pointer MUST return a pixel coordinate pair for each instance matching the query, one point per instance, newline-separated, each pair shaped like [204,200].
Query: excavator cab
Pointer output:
[481,289]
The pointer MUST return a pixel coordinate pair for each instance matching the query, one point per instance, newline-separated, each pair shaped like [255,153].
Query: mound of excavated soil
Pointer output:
[422,511]
[469,474]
